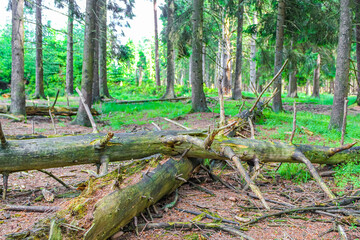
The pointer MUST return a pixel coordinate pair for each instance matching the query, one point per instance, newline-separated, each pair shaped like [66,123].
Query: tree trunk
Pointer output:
[103,86]
[88,63]
[316,86]
[39,82]
[357,20]
[197,93]
[161,182]
[277,102]
[140,75]
[23,155]
[17,53]
[70,50]
[226,58]
[236,93]
[170,69]
[157,64]
[292,91]
[96,81]
[253,83]
[342,66]
[204,66]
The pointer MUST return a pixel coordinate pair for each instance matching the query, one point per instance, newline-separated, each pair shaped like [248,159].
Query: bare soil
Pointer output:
[25,189]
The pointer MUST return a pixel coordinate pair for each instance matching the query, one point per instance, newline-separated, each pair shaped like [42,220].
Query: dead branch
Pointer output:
[294,124]
[88,112]
[343,128]
[23,208]
[57,179]
[205,215]
[177,124]
[2,137]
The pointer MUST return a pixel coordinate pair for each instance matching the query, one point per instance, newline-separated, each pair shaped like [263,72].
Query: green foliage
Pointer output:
[297,172]
[348,173]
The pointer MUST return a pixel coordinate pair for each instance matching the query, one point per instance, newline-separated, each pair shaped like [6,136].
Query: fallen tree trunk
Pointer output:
[117,209]
[34,154]
[44,110]
[146,100]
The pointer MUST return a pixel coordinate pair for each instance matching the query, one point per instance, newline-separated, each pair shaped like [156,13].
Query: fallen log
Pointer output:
[44,110]
[34,154]
[146,100]
[23,208]
[117,209]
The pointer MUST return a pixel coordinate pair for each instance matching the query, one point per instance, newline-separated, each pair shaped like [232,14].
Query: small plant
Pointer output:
[296,172]
[348,173]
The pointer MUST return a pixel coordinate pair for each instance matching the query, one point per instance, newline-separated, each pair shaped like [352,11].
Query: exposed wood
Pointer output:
[43,110]
[23,208]
[88,112]
[294,124]
[177,124]
[53,122]
[117,209]
[343,128]
[146,100]
[33,154]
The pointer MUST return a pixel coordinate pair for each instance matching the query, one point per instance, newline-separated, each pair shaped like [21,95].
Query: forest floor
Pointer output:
[25,188]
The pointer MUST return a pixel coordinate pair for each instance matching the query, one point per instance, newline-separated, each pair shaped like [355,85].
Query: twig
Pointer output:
[273,201]
[207,216]
[241,107]
[156,126]
[342,232]
[31,208]
[229,153]
[177,124]
[10,116]
[149,213]
[294,125]
[2,137]
[343,129]
[271,97]
[56,97]
[183,225]
[173,203]
[57,179]
[203,189]
[268,85]
[53,122]
[5,184]
[91,118]
[252,129]
[217,178]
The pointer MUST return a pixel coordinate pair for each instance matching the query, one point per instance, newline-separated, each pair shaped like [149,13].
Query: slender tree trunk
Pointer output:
[190,71]
[252,57]
[236,93]
[197,93]
[70,50]
[103,86]
[316,86]
[17,54]
[39,82]
[292,91]
[357,20]
[226,59]
[170,69]
[140,75]
[88,63]
[342,66]
[96,81]
[157,64]
[204,65]
[277,102]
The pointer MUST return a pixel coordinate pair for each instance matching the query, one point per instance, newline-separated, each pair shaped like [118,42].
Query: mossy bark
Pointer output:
[22,155]
[118,208]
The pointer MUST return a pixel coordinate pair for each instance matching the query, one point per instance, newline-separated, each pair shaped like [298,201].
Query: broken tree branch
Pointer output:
[88,112]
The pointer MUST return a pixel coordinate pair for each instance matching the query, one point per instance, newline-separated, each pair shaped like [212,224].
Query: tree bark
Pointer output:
[17,53]
[140,196]
[88,64]
[277,102]
[96,81]
[197,93]
[103,86]
[226,58]
[70,50]
[236,93]
[44,110]
[253,56]
[357,21]
[170,69]
[316,81]
[342,66]
[157,63]
[33,154]
[292,92]
[39,79]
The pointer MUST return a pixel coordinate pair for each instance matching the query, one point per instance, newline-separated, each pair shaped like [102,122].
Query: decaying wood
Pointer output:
[117,209]
[88,112]
[44,110]
[34,154]
[23,208]
[146,100]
